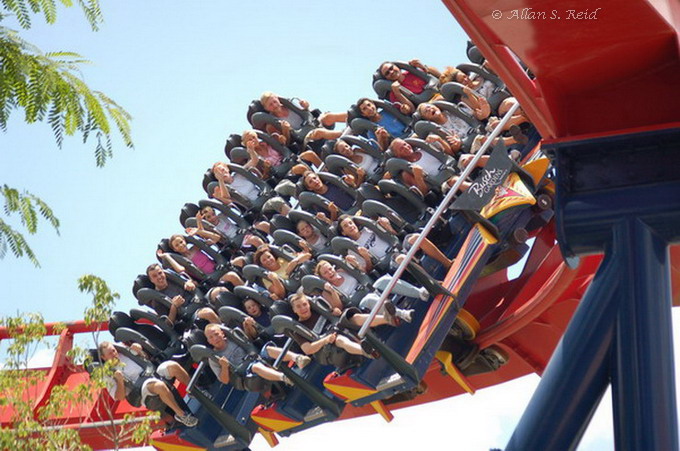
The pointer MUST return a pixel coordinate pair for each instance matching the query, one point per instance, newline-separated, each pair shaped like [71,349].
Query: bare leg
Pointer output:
[159,388]
[430,249]
[350,346]
[359,319]
[274,352]
[267,373]
[175,370]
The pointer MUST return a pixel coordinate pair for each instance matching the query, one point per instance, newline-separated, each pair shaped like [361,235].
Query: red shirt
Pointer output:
[411,82]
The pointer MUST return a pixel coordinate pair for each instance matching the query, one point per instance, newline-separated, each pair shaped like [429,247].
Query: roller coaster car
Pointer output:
[248,204]
[404,207]
[423,127]
[363,127]
[133,388]
[254,273]
[396,166]
[239,155]
[146,294]
[343,246]
[366,148]
[259,118]
[313,285]
[491,86]
[499,202]
[307,404]
[221,408]
[158,339]
[382,86]
[311,201]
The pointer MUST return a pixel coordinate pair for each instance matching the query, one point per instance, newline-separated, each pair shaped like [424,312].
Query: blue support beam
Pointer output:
[619,195]
[571,388]
[643,389]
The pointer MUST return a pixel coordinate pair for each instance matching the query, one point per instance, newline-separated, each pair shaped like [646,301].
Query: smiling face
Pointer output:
[326,271]
[390,71]
[157,277]
[215,337]
[178,244]
[268,261]
[107,351]
[301,308]
[367,109]
[401,148]
[249,138]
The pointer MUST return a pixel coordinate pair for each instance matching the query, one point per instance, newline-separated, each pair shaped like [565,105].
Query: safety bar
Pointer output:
[435,217]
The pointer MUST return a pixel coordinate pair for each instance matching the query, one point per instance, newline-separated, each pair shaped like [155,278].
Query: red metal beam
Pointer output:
[614,67]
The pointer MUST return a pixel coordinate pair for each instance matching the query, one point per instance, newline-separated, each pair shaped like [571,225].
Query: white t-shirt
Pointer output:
[319,244]
[131,372]
[456,125]
[367,163]
[429,164]
[225,226]
[294,119]
[375,245]
[349,284]
[245,187]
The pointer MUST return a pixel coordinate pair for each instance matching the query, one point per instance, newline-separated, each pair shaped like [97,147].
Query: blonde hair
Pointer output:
[247,133]
[266,96]
[212,326]
[317,268]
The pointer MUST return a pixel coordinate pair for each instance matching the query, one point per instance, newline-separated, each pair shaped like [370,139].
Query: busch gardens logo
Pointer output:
[488,181]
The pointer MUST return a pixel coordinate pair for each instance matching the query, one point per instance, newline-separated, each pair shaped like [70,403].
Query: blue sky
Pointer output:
[187,72]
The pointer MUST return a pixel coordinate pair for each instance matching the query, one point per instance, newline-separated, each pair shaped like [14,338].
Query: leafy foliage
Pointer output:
[49,87]
[27,206]
[22,9]
[30,428]
[103,299]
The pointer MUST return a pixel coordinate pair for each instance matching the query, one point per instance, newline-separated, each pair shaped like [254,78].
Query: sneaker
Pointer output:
[302,361]
[424,294]
[187,419]
[405,315]
[390,312]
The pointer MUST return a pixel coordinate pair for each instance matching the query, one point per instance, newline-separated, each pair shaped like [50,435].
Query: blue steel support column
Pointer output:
[577,376]
[619,195]
[643,389]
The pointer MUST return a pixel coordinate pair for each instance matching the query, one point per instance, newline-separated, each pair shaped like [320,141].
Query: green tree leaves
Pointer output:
[23,9]
[28,207]
[48,87]
[103,299]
